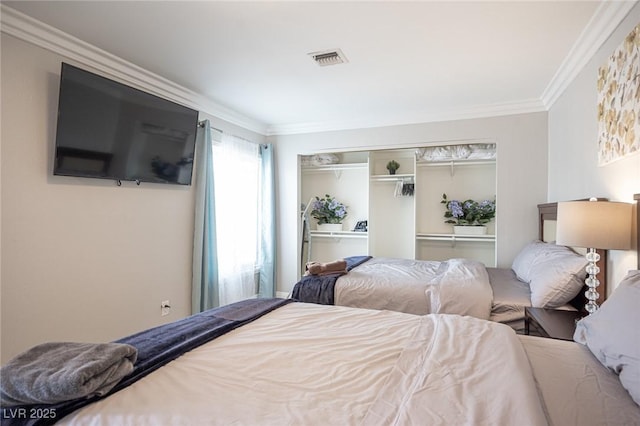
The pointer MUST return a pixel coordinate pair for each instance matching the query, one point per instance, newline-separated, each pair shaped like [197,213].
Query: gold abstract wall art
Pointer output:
[619,101]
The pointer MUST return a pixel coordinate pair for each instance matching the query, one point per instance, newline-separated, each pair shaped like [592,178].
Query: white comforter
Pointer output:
[456,286]
[307,364]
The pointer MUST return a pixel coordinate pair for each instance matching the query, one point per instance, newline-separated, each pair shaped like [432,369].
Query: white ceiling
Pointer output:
[408,61]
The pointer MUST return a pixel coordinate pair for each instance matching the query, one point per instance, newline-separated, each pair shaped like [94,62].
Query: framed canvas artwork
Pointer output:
[619,102]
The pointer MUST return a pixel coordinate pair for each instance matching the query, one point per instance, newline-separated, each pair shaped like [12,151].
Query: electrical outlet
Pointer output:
[165,308]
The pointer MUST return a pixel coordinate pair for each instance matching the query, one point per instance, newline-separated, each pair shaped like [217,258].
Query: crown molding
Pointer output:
[604,21]
[479,111]
[602,24]
[31,30]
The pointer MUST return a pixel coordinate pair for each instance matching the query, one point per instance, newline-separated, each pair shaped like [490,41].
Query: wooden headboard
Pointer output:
[637,198]
[547,216]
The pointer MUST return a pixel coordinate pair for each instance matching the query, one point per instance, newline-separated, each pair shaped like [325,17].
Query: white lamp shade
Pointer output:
[594,224]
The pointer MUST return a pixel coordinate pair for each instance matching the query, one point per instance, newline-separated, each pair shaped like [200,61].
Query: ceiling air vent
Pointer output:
[329,57]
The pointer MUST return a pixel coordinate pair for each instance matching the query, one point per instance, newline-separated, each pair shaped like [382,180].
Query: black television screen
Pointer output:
[112,131]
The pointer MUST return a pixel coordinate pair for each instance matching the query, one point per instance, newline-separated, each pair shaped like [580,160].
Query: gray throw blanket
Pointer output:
[62,371]
[156,347]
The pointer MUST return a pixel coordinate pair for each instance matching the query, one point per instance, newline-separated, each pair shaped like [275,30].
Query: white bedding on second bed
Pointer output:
[456,286]
[317,364]
[510,297]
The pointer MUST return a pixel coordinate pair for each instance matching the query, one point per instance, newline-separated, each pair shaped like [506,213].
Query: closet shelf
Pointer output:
[455,163]
[452,164]
[392,178]
[334,167]
[455,237]
[338,234]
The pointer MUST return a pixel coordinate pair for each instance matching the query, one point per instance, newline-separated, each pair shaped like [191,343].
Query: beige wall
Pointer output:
[87,260]
[573,147]
[521,174]
[82,259]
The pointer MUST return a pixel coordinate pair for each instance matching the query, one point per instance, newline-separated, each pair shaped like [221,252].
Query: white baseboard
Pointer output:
[282,294]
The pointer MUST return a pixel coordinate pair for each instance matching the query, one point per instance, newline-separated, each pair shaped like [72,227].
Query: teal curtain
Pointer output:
[204,286]
[267,226]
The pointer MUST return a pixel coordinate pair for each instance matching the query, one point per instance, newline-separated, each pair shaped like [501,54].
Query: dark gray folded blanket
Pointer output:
[61,371]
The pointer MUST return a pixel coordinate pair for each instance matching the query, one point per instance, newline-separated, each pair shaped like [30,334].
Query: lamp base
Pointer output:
[592,281]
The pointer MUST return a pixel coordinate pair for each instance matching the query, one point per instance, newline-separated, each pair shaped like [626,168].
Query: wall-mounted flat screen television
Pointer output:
[112,131]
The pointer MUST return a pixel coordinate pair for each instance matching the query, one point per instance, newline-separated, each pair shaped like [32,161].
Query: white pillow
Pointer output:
[612,333]
[557,276]
[525,260]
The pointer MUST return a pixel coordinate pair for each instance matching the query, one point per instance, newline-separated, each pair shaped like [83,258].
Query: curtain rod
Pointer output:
[201,124]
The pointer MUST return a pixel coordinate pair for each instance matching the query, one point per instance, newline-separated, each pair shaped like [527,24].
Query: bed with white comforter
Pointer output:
[309,364]
[455,286]
[543,275]
[330,365]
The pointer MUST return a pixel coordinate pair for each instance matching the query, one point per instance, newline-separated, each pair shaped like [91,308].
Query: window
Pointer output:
[236,166]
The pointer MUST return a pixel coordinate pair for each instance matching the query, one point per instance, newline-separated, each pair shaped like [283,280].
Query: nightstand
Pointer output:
[552,323]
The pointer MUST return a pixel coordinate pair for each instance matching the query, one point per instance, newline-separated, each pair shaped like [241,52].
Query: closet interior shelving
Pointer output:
[407,226]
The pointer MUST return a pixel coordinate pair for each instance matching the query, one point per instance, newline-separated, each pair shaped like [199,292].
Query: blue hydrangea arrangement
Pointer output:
[328,210]
[468,212]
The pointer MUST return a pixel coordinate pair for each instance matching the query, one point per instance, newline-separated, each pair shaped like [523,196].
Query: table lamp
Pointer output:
[594,225]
